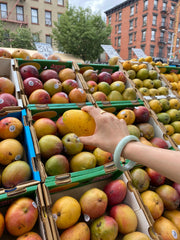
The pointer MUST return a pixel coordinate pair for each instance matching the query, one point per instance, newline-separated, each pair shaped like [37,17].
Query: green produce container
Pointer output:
[42,226]
[170,69]
[100,67]
[132,199]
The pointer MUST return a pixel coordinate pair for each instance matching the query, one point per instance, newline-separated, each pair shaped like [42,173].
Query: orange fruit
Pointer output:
[176,138]
[10,127]
[174,86]
[169,77]
[37,55]
[175,77]
[2,224]
[155,105]
[21,53]
[67,211]
[142,65]
[128,115]
[148,59]
[174,103]
[127,65]
[67,73]
[169,129]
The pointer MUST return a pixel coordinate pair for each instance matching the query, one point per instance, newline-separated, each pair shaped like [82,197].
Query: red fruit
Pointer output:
[48,74]
[60,97]
[77,95]
[141,114]
[105,77]
[69,85]
[99,96]
[159,142]
[90,75]
[118,76]
[7,100]
[115,191]
[177,187]
[39,96]
[156,179]
[29,71]
[31,84]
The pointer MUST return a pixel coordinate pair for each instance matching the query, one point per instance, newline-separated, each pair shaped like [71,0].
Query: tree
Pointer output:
[4,35]
[81,33]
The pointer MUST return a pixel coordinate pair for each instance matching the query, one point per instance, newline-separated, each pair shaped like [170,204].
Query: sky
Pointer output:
[96,5]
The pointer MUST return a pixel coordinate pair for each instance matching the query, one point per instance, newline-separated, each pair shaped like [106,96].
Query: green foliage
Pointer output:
[21,38]
[81,33]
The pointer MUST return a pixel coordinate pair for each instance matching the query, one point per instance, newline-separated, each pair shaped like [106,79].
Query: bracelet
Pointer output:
[117,154]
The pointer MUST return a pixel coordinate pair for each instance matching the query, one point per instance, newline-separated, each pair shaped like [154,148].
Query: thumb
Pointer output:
[86,140]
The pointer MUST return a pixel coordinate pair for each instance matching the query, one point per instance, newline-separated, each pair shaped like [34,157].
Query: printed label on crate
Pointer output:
[44,48]
[139,52]
[111,52]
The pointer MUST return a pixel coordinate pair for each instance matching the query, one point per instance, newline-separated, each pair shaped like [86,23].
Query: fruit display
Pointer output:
[161,198]
[52,83]
[105,209]
[107,84]
[146,79]
[16,151]
[167,111]
[21,216]
[10,94]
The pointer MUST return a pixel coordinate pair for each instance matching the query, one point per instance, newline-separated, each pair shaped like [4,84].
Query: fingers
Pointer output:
[86,140]
[93,111]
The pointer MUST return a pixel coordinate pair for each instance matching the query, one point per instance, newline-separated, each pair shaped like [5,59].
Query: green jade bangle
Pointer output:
[117,154]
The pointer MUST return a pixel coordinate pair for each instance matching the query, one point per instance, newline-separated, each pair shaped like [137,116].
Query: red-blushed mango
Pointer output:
[79,231]
[2,224]
[10,127]
[30,236]
[136,236]
[79,122]
[45,126]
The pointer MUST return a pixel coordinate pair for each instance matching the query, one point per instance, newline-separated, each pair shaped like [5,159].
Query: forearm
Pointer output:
[166,162]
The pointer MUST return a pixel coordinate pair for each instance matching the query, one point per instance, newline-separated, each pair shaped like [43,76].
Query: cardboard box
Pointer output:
[8,70]
[132,199]
[42,226]
[43,65]
[29,154]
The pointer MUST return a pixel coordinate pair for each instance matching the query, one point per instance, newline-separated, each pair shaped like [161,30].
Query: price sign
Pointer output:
[139,52]
[44,48]
[111,52]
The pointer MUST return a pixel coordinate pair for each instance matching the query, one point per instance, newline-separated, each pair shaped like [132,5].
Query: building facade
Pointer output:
[151,25]
[37,15]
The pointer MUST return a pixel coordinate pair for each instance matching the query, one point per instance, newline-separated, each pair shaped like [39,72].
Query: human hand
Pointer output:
[109,129]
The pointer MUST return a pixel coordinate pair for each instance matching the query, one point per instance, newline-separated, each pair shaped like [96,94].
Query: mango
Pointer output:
[79,122]
[79,231]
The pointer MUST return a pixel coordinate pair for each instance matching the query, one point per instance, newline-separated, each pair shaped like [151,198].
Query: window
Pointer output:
[134,36]
[152,50]
[131,24]
[143,47]
[131,10]
[48,1]
[153,35]
[120,16]
[179,27]
[170,37]
[19,13]
[172,9]
[119,28]
[171,23]
[109,18]
[34,15]
[145,4]
[129,53]
[60,2]
[155,5]
[3,10]
[177,42]
[163,21]
[162,34]
[119,41]
[143,36]
[160,51]
[135,22]
[36,37]
[154,21]
[48,18]
[59,15]
[49,39]
[145,20]
[136,7]
[164,6]
[130,38]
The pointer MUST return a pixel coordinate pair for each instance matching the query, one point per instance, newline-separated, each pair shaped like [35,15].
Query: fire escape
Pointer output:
[163,26]
[176,26]
[18,18]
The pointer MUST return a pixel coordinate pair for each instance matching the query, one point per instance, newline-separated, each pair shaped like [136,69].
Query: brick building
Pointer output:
[152,25]
[37,15]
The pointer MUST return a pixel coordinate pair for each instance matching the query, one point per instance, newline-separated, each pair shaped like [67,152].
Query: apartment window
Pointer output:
[48,18]
[171,23]
[131,10]
[155,5]
[143,47]
[177,42]
[131,24]
[163,21]
[130,38]
[170,37]
[152,50]
[119,41]
[120,16]
[109,18]
[143,36]
[164,6]
[36,37]
[49,39]
[19,13]
[154,21]
[60,2]
[145,20]
[172,9]
[145,4]
[134,36]
[136,7]
[179,27]
[119,28]
[153,35]
[48,1]
[162,34]
[3,7]
[129,53]
[59,15]
[135,23]
[34,15]
[160,51]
